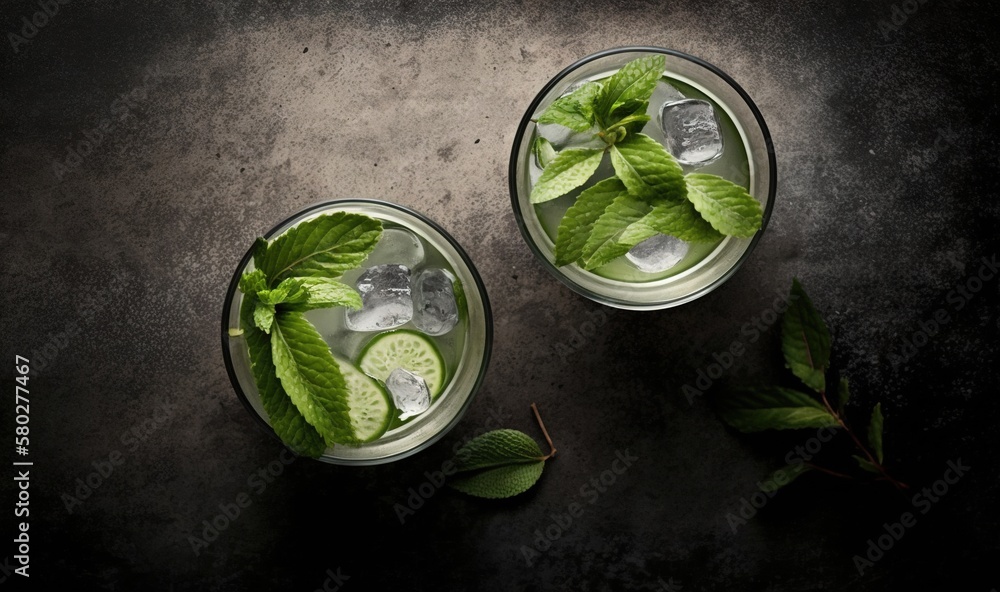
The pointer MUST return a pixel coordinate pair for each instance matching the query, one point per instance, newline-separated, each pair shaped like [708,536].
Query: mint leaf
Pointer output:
[319,293]
[866,465]
[784,476]
[500,482]
[774,408]
[325,246]
[805,340]
[544,152]
[263,316]
[635,80]
[727,206]
[498,464]
[577,224]
[575,110]
[252,282]
[603,244]
[676,218]
[647,169]
[570,169]
[259,250]
[843,393]
[311,377]
[875,431]
[285,419]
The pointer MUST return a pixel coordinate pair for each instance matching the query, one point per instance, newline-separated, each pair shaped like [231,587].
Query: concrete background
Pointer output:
[226,117]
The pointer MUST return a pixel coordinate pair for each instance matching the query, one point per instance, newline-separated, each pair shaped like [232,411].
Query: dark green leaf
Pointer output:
[647,169]
[603,245]
[784,476]
[325,246]
[575,110]
[875,431]
[498,464]
[499,482]
[843,393]
[777,408]
[634,81]
[866,465]
[805,340]
[577,224]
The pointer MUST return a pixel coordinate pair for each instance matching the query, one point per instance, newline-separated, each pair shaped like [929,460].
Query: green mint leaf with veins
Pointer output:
[498,464]
[805,340]
[676,218]
[603,245]
[263,316]
[875,431]
[325,246]
[282,415]
[544,152]
[784,476]
[634,81]
[727,206]
[631,115]
[647,169]
[311,377]
[575,110]
[259,250]
[774,408]
[577,224]
[319,293]
[570,169]
[252,282]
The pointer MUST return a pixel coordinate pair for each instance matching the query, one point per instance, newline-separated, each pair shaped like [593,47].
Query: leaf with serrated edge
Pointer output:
[603,246]
[325,246]
[311,377]
[263,316]
[647,169]
[865,464]
[575,110]
[497,448]
[635,80]
[755,410]
[784,476]
[805,340]
[724,204]
[499,482]
[875,431]
[676,218]
[282,415]
[570,169]
[577,223]
[321,293]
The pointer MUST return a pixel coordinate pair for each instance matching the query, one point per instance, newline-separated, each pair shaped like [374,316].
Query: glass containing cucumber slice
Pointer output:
[356,331]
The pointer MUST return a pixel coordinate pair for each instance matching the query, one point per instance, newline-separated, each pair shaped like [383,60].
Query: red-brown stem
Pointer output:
[538,418]
[857,443]
[828,471]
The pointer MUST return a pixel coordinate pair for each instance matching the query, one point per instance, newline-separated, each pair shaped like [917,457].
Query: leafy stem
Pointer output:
[538,418]
[861,447]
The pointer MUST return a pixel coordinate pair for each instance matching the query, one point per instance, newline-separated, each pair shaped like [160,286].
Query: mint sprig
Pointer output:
[501,463]
[806,345]
[693,207]
[301,387]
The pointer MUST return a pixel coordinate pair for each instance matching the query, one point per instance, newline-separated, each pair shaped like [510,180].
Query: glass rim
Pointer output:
[610,300]
[466,260]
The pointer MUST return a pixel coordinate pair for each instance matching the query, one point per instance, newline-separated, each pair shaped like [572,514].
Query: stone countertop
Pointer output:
[208,124]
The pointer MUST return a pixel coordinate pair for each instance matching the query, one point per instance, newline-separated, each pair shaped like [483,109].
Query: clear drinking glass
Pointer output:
[465,349]
[747,160]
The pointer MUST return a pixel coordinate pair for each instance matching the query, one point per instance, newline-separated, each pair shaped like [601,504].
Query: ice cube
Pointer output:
[409,392]
[657,254]
[435,311]
[664,92]
[386,299]
[692,131]
[398,246]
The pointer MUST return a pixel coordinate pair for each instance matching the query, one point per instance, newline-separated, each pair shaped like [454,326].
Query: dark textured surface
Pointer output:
[887,201]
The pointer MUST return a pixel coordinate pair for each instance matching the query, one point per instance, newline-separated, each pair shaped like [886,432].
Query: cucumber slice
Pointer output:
[371,408]
[404,349]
